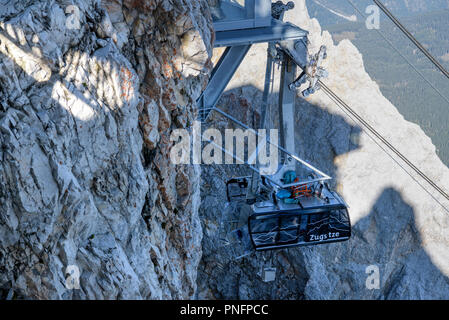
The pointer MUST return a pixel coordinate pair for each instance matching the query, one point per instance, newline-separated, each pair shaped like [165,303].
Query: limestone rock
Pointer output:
[84,114]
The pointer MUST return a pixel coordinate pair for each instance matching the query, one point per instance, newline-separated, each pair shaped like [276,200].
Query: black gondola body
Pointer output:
[298,227]
[317,218]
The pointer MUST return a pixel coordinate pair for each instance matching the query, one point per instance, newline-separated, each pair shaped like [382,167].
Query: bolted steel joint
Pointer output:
[278,8]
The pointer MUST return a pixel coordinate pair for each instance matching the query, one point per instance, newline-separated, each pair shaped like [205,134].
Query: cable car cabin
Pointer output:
[291,225]
[311,214]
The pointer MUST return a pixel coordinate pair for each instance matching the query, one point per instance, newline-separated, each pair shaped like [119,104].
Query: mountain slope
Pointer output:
[87,189]
[415,99]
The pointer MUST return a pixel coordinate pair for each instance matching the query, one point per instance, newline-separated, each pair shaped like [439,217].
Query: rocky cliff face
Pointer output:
[396,225]
[89,92]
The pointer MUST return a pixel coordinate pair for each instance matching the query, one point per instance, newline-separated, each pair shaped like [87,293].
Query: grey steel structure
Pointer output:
[238,37]
[319,217]
[243,14]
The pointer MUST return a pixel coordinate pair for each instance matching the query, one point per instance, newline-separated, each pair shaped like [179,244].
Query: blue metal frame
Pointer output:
[275,31]
[255,13]
[220,77]
[238,42]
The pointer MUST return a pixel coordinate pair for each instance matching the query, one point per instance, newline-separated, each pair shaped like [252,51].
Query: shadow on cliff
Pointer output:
[387,237]
[73,66]
[47,92]
[38,112]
